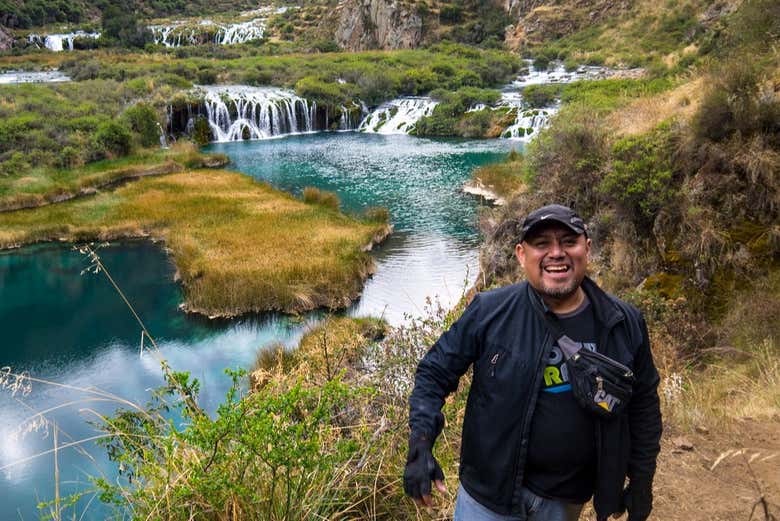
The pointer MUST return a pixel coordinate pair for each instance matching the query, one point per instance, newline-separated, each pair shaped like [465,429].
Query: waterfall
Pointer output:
[351,115]
[241,32]
[15,77]
[528,122]
[163,139]
[398,116]
[57,42]
[178,33]
[238,112]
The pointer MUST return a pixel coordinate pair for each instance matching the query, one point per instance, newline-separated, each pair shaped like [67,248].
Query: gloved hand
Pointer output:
[421,469]
[638,499]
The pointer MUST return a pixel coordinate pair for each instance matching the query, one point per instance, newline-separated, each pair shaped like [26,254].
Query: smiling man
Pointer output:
[530,450]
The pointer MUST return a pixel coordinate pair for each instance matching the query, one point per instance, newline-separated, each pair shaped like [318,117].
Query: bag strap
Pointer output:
[568,346]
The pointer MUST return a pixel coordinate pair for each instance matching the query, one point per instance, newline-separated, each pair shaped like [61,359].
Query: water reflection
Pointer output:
[73,329]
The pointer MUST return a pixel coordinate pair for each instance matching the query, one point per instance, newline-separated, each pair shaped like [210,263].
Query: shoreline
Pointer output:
[306,257]
[475,187]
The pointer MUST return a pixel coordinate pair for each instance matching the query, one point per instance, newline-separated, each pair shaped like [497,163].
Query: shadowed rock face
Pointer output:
[6,40]
[378,24]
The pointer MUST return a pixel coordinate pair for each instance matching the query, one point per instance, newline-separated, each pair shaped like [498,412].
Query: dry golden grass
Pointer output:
[647,113]
[336,344]
[239,246]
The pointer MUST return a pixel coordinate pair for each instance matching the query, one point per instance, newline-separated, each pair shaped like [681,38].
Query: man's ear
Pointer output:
[587,251]
[520,254]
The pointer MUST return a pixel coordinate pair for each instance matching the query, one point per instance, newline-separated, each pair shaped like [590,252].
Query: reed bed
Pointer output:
[239,245]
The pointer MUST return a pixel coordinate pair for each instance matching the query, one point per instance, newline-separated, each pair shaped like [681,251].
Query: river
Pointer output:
[73,329]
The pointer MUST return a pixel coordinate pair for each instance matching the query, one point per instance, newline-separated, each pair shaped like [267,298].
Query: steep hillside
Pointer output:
[35,13]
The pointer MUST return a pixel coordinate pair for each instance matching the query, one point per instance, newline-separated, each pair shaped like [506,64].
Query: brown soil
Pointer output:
[719,475]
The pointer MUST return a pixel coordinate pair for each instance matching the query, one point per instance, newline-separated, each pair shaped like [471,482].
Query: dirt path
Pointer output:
[718,475]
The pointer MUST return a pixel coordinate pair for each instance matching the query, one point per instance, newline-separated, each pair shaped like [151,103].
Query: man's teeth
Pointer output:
[557,269]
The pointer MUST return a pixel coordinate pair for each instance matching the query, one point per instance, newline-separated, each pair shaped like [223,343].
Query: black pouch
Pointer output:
[599,384]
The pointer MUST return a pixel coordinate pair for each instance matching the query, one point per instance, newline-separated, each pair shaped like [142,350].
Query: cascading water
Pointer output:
[57,42]
[15,77]
[178,33]
[241,112]
[241,32]
[398,116]
[528,122]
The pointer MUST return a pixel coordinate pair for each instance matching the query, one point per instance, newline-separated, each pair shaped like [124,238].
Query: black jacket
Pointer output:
[506,340]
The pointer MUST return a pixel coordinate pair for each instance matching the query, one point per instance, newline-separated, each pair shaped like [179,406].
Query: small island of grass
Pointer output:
[239,246]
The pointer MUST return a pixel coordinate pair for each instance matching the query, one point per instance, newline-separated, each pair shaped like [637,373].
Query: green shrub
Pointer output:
[14,165]
[450,14]
[640,180]
[322,91]
[565,160]
[735,103]
[538,96]
[113,137]
[475,124]
[143,122]
[201,132]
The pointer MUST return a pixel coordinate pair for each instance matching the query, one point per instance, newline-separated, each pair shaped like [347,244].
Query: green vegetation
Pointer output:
[36,13]
[640,182]
[328,78]
[49,132]
[683,213]
[56,126]
[50,186]
[449,117]
[239,246]
[319,436]
[503,179]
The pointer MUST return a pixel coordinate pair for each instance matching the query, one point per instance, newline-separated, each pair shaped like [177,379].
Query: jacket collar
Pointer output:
[604,308]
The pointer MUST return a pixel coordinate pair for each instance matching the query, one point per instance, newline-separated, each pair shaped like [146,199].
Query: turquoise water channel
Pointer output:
[72,329]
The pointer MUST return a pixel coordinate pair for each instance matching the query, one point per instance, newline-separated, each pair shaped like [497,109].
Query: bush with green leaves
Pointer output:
[539,96]
[452,109]
[113,138]
[278,453]
[737,102]
[143,122]
[640,180]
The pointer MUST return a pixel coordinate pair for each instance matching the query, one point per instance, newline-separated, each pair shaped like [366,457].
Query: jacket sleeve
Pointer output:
[440,370]
[644,414]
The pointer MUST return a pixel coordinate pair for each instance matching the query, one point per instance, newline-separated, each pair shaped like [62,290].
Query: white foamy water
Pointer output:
[178,33]
[14,77]
[398,116]
[59,42]
[237,112]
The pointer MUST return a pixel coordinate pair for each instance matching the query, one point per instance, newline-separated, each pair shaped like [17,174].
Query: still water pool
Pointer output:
[72,328]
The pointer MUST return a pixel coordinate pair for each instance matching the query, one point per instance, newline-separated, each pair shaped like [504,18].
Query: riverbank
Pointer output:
[63,185]
[239,246]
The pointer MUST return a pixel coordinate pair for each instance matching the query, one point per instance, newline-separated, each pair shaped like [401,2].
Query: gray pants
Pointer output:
[536,509]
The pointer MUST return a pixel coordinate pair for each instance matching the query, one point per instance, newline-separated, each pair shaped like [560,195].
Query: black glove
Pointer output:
[421,468]
[638,499]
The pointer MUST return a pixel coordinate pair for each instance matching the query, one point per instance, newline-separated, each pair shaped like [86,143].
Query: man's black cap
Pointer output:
[553,212]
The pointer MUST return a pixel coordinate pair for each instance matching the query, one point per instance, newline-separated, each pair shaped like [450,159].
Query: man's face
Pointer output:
[554,259]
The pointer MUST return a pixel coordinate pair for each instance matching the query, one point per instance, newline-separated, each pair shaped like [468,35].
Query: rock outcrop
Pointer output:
[6,39]
[378,24]
[540,20]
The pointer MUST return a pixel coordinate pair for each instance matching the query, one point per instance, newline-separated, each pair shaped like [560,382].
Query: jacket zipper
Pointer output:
[493,362]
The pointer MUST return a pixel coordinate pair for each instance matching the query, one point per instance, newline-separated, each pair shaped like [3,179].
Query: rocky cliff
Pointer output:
[6,39]
[540,20]
[378,24]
